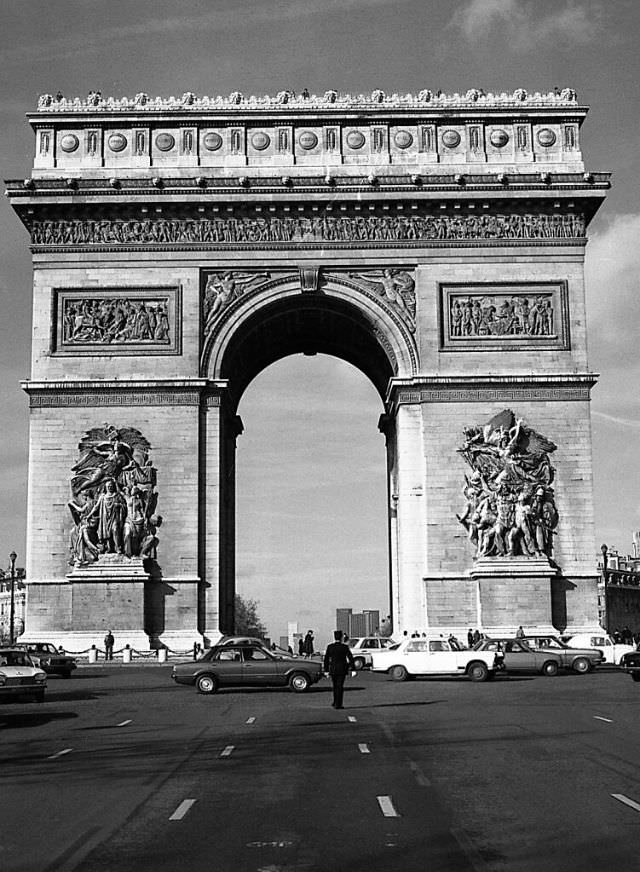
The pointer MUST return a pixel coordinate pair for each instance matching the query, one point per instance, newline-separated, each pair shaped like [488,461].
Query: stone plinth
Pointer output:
[514,592]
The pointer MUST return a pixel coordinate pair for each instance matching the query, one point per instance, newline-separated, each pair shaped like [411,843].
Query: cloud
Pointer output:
[525,26]
[614,419]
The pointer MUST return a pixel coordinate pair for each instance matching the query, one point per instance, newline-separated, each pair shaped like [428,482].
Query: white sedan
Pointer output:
[434,656]
[19,677]
[363,647]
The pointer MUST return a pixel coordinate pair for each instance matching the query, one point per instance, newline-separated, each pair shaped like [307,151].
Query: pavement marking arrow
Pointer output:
[182,809]
[386,806]
[625,799]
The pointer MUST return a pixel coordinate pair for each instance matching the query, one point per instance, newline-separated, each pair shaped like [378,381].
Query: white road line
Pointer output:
[364,748]
[227,751]
[124,723]
[386,806]
[625,799]
[250,721]
[421,778]
[606,720]
[352,720]
[182,809]
[60,753]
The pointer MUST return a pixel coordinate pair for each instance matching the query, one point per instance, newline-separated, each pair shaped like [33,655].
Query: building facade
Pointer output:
[180,246]
[619,588]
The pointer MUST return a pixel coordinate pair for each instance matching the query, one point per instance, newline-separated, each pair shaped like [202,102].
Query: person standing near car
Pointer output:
[308,644]
[109,642]
[338,660]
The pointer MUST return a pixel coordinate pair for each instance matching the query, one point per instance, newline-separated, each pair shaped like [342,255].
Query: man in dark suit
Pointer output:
[338,660]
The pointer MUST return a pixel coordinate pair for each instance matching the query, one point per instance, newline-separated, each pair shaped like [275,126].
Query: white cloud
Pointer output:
[524,23]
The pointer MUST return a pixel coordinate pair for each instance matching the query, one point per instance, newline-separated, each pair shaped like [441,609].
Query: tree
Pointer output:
[247,621]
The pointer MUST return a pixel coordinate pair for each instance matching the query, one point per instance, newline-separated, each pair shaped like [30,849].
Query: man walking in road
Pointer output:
[109,642]
[338,660]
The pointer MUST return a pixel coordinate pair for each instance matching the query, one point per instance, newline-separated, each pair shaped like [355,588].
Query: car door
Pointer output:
[226,663]
[415,658]
[442,657]
[606,646]
[517,658]
[259,668]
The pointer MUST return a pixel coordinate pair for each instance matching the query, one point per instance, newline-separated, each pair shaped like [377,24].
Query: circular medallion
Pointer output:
[260,141]
[499,138]
[212,141]
[117,142]
[546,137]
[403,139]
[165,142]
[307,139]
[355,139]
[69,142]
[451,138]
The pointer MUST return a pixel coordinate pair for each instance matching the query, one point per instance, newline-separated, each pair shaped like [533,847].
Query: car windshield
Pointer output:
[549,643]
[14,658]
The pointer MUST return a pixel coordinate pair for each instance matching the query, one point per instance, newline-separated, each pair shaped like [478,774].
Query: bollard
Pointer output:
[126,654]
[93,654]
[162,655]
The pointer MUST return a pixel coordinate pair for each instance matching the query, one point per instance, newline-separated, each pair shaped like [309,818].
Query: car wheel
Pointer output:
[299,682]
[550,668]
[478,671]
[398,673]
[581,665]
[358,663]
[635,676]
[206,683]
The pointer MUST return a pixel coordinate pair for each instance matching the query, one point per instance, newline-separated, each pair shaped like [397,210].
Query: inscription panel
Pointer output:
[116,321]
[504,316]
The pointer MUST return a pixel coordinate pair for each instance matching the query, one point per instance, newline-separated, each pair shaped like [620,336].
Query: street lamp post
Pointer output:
[12,609]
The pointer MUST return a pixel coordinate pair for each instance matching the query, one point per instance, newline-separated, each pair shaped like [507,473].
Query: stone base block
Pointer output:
[508,601]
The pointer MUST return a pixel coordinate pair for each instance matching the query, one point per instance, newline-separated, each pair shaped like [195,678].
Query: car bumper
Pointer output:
[22,689]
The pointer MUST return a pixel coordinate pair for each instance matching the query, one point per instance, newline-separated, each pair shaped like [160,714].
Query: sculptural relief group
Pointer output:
[115,320]
[114,498]
[501,315]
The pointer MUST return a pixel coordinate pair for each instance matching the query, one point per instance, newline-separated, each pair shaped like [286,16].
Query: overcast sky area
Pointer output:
[311,465]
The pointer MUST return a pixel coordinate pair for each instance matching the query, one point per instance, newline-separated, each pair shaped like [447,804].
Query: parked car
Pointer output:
[581,660]
[19,677]
[247,666]
[363,646]
[631,663]
[46,656]
[519,657]
[434,656]
[613,651]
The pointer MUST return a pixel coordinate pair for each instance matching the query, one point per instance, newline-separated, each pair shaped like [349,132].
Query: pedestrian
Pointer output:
[300,647]
[520,634]
[109,642]
[338,660]
[627,635]
[617,636]
[470,638]
[196,650]
[308,644]
[476,636]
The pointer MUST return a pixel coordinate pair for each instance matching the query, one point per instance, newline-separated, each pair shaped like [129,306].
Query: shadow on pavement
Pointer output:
[23,720]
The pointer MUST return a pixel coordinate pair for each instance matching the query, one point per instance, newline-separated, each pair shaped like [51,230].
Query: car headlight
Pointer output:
[40,676]
[3,679]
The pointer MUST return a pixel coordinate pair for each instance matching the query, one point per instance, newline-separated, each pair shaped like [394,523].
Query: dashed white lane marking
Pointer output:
[352,720]
[386,806]
[421,778]
[250,721]
[124,723]
[625,799]
[182,809]
[364,748]
[60,753]
[227,751]
[606,720]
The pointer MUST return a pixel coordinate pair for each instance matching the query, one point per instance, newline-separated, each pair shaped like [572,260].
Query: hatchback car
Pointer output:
[247,666]
[362,648]
[47,657]
[19,677]
[519,657]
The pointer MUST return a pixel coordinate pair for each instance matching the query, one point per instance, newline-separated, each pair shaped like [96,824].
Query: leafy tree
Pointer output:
[247,620]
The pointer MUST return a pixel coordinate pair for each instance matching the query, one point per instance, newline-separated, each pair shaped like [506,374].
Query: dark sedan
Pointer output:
[519,657]
[631,663]
[47,657]
[247,666]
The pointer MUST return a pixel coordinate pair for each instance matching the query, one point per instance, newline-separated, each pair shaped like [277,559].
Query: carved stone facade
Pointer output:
[183,245]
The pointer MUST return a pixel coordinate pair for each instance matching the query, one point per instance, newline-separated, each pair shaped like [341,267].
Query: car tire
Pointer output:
[635,676]
[299,682]
[398,673]
[206,683]
[549,668]
[581,665]
[478,671]
[358,662]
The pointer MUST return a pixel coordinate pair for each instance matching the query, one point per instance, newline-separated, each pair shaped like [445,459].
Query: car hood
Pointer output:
[20,671]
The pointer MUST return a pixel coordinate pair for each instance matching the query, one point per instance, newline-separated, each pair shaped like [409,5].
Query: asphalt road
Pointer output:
[120,770]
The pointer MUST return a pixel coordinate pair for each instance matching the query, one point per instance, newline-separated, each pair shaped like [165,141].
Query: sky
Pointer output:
[311,471]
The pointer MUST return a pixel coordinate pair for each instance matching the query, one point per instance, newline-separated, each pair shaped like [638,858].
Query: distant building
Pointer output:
[19,598]
[366,623]
[619,588]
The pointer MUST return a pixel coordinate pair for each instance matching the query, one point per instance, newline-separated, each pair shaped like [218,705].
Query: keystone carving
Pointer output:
[510,508]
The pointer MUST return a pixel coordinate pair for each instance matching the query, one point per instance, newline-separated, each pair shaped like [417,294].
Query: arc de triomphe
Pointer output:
[180,246]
